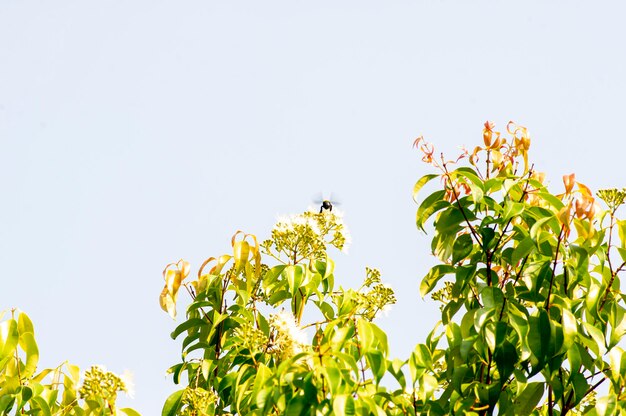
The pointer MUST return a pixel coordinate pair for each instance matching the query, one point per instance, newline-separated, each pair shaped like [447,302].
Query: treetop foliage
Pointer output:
[527,281]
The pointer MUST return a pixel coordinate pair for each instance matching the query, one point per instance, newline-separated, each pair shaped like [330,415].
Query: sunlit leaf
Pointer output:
[528,399]
[29,345]
[420,184]
[173,404]
[434,275]
[433,203]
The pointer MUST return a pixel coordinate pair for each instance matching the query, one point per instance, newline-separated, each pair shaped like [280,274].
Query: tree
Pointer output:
[52,391]
[529,286]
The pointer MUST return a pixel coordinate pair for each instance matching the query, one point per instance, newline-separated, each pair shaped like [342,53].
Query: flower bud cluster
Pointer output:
[612,197]
[196,401]
[380,297]
[443,295]
[251,338]
[305,236]
[371,276]
[101,383]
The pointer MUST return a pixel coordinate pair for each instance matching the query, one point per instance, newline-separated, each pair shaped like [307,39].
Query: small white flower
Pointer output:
[386,309]
[128,379]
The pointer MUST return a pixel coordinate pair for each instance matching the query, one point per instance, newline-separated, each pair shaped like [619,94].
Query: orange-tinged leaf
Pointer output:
[569,181]
[496,158]
[584,189]
[487,137]
[172,282]
[232,240]
[167,303]
[184,267]
[173,274]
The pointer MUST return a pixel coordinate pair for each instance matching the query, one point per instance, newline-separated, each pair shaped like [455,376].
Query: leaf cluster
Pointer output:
[52,391]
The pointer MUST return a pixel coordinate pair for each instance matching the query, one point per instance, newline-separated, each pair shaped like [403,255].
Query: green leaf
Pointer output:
[475,183]
[423,357]
[512,209]
[9,338]
[556,203]
[173,404]
[295,276]
[420,184]
[434,275]
[29,345]
[428,385]
[189,324]
[272,275]
[449,221]
[263,373]
[487,235]
[570,328]
[526,402]
[27,393]
[41,405]
[506,359]
[24,324]
[621,230]
[433,203]
[580,385]
[536,228]
[343,404]
[297,406]
[598,338]
[6,403]
[605,406]
[130,412]
[371,336]
[377,364]
[524,248]
[539,338]
[462,247]
[395,368]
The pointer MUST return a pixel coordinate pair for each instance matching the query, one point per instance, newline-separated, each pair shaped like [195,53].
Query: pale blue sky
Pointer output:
[133,134]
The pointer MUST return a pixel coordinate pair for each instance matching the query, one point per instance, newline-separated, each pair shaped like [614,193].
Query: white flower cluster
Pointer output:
[287,338]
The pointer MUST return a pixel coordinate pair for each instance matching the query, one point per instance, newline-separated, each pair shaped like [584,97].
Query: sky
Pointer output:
[134,134]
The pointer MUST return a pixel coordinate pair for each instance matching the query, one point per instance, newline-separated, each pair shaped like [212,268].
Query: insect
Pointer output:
[326,203]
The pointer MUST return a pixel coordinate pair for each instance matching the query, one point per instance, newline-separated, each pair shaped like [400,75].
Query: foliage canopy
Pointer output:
[529,286]
[528,282]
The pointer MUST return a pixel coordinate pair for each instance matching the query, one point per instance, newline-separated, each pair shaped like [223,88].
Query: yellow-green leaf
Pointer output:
[29,345]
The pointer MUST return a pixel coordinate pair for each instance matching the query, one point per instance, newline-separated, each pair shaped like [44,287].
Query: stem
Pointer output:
[489,366]
[556,256]
[524,193]
[550,403]
[358,347]
[566,406]
[320,356]
[220,327]
[608,249]
[608,288]
[489,255]
[300,307]
[521,268]
[458,202]
[595,386]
